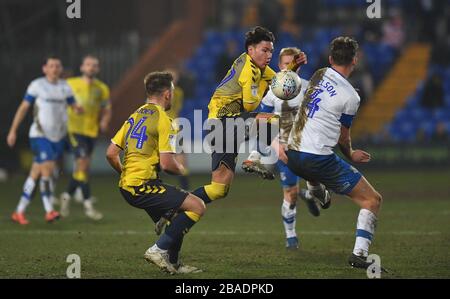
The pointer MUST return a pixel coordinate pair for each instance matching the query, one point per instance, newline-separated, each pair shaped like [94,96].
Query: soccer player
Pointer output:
[49,96]
[239,93]
[93,95]
[323,121]
[148,140]
[286,110]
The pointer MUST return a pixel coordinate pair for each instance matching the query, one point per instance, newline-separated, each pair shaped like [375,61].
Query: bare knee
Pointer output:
[377,199]
[194,204]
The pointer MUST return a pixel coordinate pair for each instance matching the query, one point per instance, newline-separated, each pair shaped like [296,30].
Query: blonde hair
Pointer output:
[291,51]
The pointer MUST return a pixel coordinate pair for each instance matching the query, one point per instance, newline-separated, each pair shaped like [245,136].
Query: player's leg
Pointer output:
[253,163]
[167,200]
[189,213]
[27,195]
[289,215]
[369,200]
[46,170]
[288,182]
[221,178]
[83,165]
[317,191]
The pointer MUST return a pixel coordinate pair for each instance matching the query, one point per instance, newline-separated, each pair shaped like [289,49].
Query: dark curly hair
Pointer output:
[257,35]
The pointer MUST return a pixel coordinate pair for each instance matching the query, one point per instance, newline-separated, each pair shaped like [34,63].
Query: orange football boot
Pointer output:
[19,218]
[52,216]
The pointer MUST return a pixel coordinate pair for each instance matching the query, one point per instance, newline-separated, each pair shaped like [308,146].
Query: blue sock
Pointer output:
[175,232]
[201,193]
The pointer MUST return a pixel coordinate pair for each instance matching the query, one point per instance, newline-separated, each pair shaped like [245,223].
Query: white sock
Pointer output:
[365,228]
[46,193]
[28,188]
[289,218]
[88,204]
[156,248]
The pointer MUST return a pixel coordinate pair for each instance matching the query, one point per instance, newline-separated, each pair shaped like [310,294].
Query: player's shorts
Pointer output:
[287,177]
[46,150]
[330,170]
[225,151]
[156,198]
[81,146]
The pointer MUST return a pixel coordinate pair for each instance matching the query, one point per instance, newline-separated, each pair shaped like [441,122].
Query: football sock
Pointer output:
[28,189]
[73,185]
[212,192]
[174,250]
[86,190]
[46,193]
[288,213]
[178,227]
[365,229]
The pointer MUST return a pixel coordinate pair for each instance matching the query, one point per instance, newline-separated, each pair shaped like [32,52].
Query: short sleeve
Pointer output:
[350,109]
[166,134]
[32,92]
[68,94]
[119,138]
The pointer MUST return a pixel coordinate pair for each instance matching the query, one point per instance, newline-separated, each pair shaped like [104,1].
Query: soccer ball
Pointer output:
[286,85]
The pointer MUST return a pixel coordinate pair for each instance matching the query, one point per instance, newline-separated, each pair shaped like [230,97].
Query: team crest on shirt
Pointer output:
[255,90]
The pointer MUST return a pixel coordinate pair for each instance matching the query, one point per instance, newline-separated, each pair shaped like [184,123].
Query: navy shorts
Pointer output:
[45,150]
[287,177]
[330,170]
[225,151]
[156,198]
[81,146]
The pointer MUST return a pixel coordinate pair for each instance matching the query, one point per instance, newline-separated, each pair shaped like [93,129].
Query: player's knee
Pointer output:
[196,206]
[291,194]
[80,175]
[377,199]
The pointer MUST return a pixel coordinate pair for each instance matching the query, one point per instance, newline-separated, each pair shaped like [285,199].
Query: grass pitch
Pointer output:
[240,236]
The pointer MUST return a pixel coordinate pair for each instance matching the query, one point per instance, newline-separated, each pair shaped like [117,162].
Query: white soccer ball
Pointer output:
[286,85]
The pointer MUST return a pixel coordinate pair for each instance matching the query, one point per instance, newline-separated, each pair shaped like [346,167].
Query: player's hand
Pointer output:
[11,139]
[104,127]
[301,59]
[78,109]
[281,151]
[359,156]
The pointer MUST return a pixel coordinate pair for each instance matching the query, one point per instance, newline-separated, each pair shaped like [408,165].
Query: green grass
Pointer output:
[240,236]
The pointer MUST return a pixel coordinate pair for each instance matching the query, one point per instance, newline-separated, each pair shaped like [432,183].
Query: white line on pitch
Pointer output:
[133,232]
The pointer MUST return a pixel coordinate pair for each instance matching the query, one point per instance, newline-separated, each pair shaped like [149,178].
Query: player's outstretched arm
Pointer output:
[112,155]
[170,165]
[345,144]
[105,119]
[18,118]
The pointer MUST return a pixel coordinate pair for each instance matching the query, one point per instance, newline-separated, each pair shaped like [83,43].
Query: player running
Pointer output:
[323,121]
[93,95]
[148,139]
[289,181]
[49,96]
[239,93]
